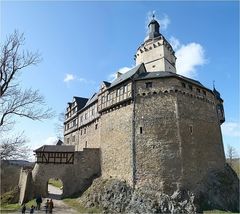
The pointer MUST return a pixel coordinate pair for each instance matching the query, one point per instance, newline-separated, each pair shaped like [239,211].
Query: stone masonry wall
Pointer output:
[158,159]
[75,177]
[116,143]
[178,137]
[89,136]
[201,141]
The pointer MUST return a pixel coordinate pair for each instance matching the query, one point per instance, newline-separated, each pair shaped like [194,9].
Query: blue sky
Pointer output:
[85,43]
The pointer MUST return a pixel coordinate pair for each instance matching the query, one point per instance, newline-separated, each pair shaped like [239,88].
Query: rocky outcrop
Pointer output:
[115,196]
[220,190]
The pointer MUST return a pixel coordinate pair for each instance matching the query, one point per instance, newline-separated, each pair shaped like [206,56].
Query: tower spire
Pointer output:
[153,28]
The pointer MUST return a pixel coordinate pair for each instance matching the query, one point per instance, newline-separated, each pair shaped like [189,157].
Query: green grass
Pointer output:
[216,212]
[9,207]
[72,202]
[55,182]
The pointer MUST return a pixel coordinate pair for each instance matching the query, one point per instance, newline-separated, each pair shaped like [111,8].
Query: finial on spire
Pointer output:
[153,14]
[213,84]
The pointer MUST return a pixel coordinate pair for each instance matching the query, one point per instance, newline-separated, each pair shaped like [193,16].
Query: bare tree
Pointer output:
[15,101]
[59,126]
[231,154]
[14,148]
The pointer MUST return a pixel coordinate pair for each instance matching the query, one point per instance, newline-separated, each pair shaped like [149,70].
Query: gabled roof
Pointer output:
[138,69]
[92,99]
[56,148]
[106,83]
[81,102]
[59,143]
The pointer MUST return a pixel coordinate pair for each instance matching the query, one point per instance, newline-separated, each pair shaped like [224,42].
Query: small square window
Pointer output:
[190,87]
[198,90]
[148,84]
[183,85]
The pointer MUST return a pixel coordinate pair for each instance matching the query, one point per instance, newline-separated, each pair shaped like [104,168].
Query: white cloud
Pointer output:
[50,141]
[83,80]
[231,129]
[174,42]
[113,76]
[188,58]
[164,22]
[69,77]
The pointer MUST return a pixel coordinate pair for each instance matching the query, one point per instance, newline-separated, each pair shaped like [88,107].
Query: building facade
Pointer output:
[154,128]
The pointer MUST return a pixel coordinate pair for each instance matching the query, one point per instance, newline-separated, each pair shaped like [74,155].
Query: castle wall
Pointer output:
[202,147]
[116,143]
[25,186]
[158,157]
[178,137]
[89,135]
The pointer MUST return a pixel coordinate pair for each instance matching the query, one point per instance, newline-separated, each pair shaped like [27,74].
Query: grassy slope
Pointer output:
[55,182]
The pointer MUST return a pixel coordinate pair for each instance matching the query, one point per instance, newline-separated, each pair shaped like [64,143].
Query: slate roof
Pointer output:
[106,83]
[125,76]
[81,101]
[59,143]
[91,100]
[161,74]
[56,148]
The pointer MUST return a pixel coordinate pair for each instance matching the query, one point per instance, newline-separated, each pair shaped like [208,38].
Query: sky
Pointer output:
[84,43]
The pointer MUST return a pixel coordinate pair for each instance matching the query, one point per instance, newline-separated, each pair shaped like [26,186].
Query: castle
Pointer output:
[153,127]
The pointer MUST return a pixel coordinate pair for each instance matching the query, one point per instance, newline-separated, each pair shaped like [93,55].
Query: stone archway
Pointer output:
[76,177]
[55,188]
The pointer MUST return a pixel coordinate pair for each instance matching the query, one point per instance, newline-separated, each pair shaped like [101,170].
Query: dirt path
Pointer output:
[59,206]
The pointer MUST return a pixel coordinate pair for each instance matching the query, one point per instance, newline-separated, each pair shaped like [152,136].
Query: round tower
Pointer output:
[156,52]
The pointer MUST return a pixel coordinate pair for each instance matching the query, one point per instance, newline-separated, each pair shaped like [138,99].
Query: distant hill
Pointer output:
[21,163]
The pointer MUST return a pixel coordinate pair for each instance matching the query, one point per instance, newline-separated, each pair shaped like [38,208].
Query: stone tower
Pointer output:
[156,53]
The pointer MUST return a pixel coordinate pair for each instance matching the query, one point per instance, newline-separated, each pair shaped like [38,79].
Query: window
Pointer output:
[198,90]
[190,87]
[85,131]
[141,130]
[204,92]
[85,115]
[92,111]
[67,140]
[74,122]
[73,138]
[86,144]
[148,84]
[81,131]
[183,85]
[191,129]
[96,126]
